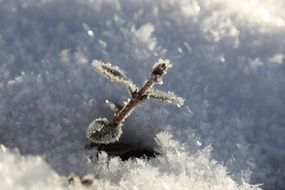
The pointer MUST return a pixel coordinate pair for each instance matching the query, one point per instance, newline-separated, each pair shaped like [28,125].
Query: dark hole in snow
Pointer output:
[124,150]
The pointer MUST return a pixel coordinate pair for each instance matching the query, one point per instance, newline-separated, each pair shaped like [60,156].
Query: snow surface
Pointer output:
[228,64]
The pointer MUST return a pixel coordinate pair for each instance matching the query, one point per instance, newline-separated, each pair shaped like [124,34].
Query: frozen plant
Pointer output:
[103,131]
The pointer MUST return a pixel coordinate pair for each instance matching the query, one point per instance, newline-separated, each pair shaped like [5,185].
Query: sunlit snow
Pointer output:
[228,65]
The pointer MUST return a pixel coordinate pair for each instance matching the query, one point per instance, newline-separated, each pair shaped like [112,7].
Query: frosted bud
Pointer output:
[102,131]
[160,69]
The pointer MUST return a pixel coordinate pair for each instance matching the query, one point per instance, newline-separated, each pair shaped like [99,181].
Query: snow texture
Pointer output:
[228,64]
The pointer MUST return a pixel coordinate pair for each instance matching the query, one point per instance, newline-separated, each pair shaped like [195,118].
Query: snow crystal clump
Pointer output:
[26,172]
[173,169]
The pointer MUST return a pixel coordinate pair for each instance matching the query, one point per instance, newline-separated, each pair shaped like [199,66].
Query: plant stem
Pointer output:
[129,107]
[155,77]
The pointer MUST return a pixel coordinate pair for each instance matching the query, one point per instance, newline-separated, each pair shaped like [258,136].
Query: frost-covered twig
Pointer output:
[102,130]
[167,97]
[114,74]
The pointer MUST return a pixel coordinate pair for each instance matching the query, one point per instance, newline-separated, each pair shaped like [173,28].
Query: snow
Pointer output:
[228,65]
[29,172]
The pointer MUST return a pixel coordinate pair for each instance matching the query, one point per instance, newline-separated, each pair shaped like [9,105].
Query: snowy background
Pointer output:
[229,65]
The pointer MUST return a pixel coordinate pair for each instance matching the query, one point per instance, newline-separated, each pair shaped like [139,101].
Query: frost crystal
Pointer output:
[114,107]
[114,74]
[167,97]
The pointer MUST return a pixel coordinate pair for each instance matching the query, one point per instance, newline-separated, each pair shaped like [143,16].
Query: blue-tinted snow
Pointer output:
[228,65]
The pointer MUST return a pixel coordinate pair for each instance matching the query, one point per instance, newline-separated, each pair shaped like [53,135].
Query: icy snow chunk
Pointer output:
[88,30]
[26,172]
[257,63]
[144,34]
[265,15]
[277,59]
[190,8]
[173,169]
[16,80]
[90,33]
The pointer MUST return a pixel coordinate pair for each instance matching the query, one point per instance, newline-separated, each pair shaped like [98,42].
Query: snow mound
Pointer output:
[173,169]
[26,172]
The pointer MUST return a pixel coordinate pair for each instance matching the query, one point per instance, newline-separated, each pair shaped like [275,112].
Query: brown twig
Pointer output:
[155,77]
